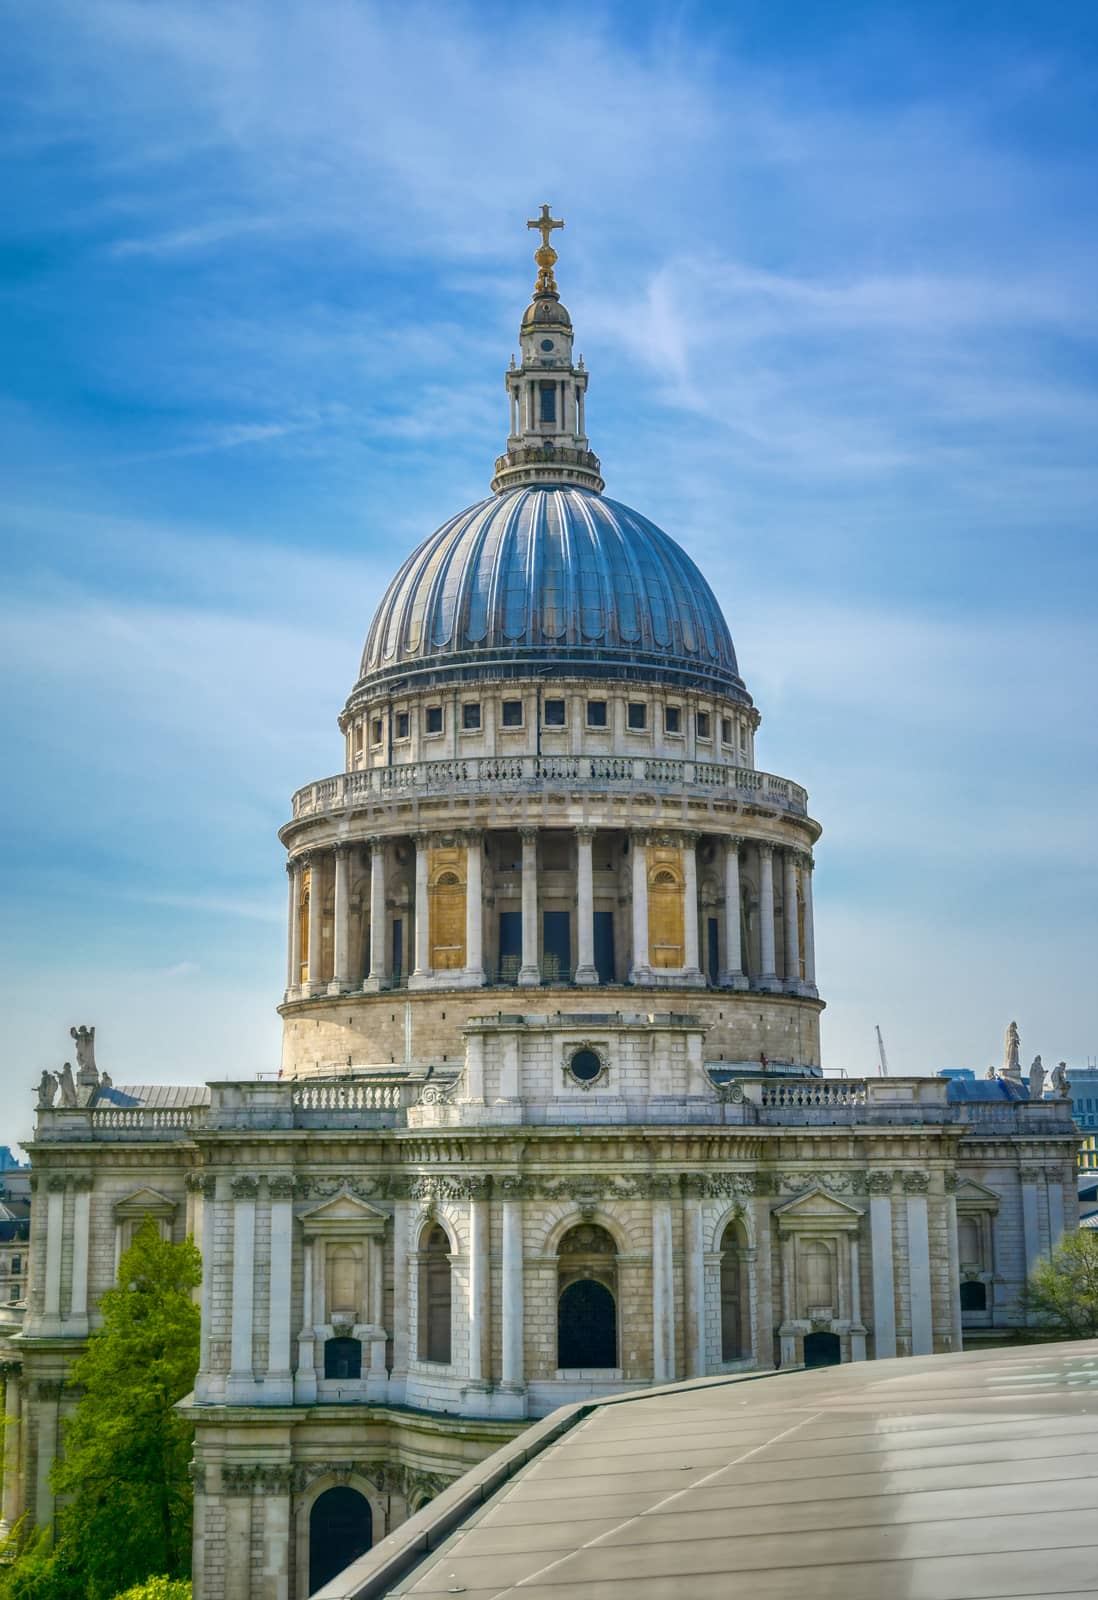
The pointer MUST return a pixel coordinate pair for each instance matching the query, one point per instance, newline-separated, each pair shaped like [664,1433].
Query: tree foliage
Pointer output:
[159,1589]
[122,1482]
[1062,1294]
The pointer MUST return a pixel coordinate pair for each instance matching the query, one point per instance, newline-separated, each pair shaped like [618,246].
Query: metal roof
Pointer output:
[962,1477]
[153,1096]
[557,580]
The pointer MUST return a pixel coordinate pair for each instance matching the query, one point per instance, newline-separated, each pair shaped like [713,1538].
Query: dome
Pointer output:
[553,581]
[546,312]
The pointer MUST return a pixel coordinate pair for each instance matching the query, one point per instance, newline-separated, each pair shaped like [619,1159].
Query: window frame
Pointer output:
[472,706]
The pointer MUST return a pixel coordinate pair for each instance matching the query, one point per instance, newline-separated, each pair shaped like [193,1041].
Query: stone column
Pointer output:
[586,971]
[422,968]
[808,866]
[398,1377]
[691,968]
[474,908]
[10,1505]
[279,1383]
[81,1228]
[241,1385]
[768,977]
[530,971]
[732,977]
[792,928]
[663,1293]
[857,1331]
[788,1338]
[1055,1187]
[884,1284]
[641,970]
[48,1414]
[479,1307]
[694,1276]
[955,1318]
[305,1377]
[316,917]
[341,932]
[1029,1178]
[379,967]
[51,1288]
[202,1384]
[237,1499]
[918,1262]
[513,1386]
[293,954]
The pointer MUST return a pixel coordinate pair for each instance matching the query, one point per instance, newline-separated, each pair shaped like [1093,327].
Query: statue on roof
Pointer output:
[1060,1081]
[68,1087]
[991,1073]
[85,1053]
[1012,1055]
[1036,1079]
[47,1090]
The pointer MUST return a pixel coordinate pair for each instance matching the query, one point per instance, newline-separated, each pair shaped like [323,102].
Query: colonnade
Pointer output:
[797,976]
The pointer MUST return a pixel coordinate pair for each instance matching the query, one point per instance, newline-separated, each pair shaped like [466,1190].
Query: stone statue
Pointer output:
[1036,1079]
[1012,1055]
[1060,1082]
[47,1091]
[68,1087]
[105,1080]
[85,1053]
[991,1073]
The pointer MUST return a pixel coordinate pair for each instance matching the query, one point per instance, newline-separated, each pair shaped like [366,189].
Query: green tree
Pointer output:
[1062,1294]
[159,1589]
[122,1482]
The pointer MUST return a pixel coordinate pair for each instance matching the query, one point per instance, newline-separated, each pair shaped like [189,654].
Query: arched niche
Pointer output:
[340,1530]
[587,1298]
[435,1295]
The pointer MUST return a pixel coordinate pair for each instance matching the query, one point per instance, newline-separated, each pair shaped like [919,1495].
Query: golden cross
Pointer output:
[545,225]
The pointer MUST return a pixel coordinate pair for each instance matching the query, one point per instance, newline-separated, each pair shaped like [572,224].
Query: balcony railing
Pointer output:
[373,787]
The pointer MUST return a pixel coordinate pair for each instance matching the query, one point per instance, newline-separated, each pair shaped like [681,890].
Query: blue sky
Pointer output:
[832,270]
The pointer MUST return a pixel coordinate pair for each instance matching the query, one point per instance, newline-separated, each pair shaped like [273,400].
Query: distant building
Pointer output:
[958,1074]
[1083,1088]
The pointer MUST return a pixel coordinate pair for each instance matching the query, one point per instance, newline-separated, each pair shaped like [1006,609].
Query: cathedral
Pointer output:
[551,1121]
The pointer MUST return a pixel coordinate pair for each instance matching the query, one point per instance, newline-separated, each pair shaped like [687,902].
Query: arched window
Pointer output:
[735,1294]
[587,1284]
[343,1358]
[340,1530]
[435,1296]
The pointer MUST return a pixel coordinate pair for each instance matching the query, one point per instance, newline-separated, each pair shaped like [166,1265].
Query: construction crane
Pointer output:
[882,1069]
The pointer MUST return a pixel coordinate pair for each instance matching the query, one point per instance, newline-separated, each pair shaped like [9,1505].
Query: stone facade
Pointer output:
[551,1121]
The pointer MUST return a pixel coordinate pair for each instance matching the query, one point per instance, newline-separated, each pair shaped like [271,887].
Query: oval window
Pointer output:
[585,1065]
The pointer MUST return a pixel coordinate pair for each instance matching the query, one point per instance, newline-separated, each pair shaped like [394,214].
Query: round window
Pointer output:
[547,344]
[585,1065]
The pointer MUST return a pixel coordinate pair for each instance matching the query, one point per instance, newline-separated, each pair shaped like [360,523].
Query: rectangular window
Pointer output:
[638,716]
[358,736]
[375,731]
[512,713]
[554,713]
[434,719]
[702,724]
[548,411]
[16,1263]
[672,719]
[470,715]
[726,730]
[596,713]
[402,725]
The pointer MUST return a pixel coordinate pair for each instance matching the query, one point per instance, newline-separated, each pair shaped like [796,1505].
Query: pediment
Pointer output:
[976,1195]
[145,1203]
[344,1213]
[818,1206]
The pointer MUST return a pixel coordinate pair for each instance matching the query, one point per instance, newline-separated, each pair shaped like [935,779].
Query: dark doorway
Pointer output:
[342,1358]
[340,1530]
[587,1334]
[556,946]
[604,946]
[713,950]
[974,1296]
[398,948]
[510,945]
[822,1350]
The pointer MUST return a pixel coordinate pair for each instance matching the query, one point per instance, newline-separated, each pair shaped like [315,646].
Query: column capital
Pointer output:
[766,850]
[732,841]
[585,832]
[343,848]
[528,832]
[689,838]
[641,837]
[422,839]
[470,836]
[293,864]
[376,843]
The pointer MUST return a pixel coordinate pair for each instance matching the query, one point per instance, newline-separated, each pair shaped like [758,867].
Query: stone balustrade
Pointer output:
[109,1122]
[373,787]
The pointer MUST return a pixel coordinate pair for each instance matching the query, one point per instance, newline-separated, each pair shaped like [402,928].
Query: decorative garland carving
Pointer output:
[879,1182]
[915,1182]
[281,1188]
[952,1182]
[245,1187]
